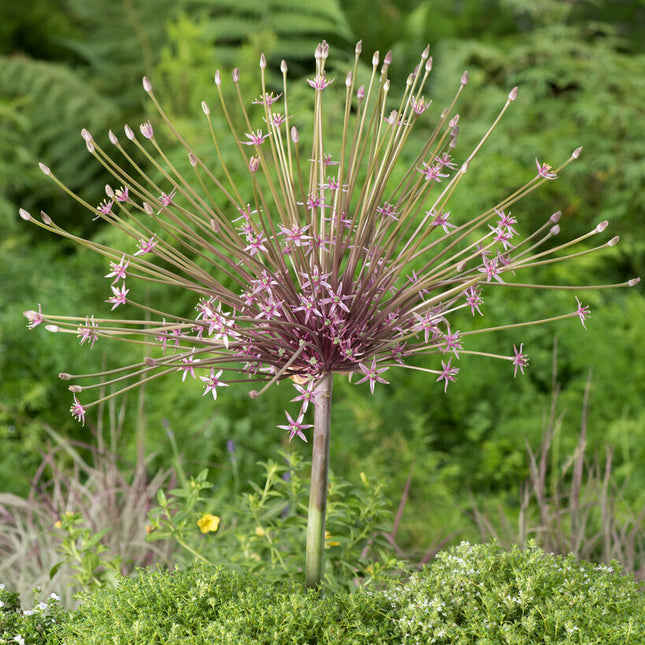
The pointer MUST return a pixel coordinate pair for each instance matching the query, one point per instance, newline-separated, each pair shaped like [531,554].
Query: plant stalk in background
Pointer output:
[341,260]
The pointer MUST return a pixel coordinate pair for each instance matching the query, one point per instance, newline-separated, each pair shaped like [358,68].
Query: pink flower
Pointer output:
[78,411]
[255,138]
[119,296]
[121,194]
[295,427]
[372,374]
[87,333]
[189,366]
[519,360]
[212,382]
[320,82]
[582,312]
[145,246]
[545,171]
[448,373]
[34,317]
[118,270]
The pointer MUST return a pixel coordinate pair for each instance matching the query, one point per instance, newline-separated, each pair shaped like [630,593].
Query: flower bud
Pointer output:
[25,215]
[218,78]
[112,138]
[46,219]
[602,226]
[464,78]
[375,58]
[44,169]
[108,191]
[205,109]
[236,75]
[147,208]
[633,282]
[128,132]
[90,147]
[64,376]
[613,241]
[75,388]
[555,218]
[147,85]
[360,93]
[283,66]
[359,48]
[295,135]
[86,135]
[192,158]
[576,153]
[429,64]
[150,362]
[348,80]
[512,95]
[52,328]
[254,163]
[263,61]
[554,230]
[146,130]
[388,59]
[425,53]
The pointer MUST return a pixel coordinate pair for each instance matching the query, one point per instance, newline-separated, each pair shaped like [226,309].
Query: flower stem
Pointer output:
[315,549]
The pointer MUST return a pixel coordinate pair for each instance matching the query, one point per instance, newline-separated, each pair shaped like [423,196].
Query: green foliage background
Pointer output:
[579,65]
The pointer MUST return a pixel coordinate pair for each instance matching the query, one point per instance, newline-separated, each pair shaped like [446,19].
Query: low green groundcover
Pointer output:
[469,594]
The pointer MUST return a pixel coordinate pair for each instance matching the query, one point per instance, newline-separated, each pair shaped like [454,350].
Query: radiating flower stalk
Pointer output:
[343,259]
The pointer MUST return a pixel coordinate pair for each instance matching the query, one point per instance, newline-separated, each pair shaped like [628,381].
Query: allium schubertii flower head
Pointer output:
[311,272]
[342,258]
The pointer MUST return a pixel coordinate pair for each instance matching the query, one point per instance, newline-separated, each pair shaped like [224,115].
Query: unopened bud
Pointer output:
[633,282]
[360,93]
[554,230]
[461,266]
[613,241]
[253,394]
[386,85]
[464,167]
[318,51]
[512,95]
[25,215]
[375,58]
[236,75]
[146,130]
[52,328]
[359,47]
[108,191]
[388,59]
[75,388]
[348,80]
[429,64]
[205,109]
[295,135]
[147,208]
[86,135]
[263,61]
[44,169]
[192,158]
[112,138]
[325,49]
[90,147]
[283,66]
[453,122]
[64,376]
[426,52]
[147,85]
[150,362]
[464,78]
[254,163]
[602,226]
[576,153]
[45,218]
[218,78]
[215,225]
[128,132]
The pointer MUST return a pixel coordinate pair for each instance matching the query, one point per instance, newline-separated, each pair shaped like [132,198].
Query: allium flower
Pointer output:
[314,276]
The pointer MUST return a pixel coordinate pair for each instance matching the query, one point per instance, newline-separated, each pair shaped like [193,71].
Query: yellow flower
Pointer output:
[259,531]
[328,543]
[208,523]
[58,525]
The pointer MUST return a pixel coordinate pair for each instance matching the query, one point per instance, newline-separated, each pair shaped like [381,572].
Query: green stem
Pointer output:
[315,550]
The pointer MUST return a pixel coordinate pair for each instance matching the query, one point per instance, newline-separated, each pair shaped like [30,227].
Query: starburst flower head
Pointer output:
[338,253]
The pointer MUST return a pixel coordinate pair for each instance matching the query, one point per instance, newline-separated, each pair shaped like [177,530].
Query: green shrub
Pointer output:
[469,594]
